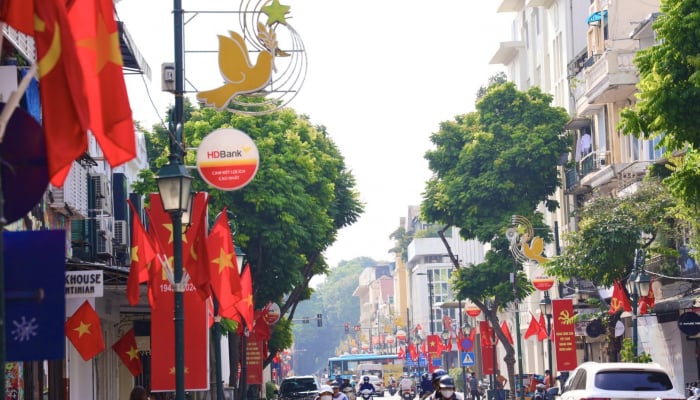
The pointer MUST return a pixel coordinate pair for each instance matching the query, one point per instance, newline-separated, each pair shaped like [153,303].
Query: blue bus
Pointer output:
[348,365]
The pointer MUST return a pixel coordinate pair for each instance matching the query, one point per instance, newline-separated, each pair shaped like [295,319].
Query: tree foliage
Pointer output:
[289,214]
[498,161]
[611,228]
[669,80]
[489,165]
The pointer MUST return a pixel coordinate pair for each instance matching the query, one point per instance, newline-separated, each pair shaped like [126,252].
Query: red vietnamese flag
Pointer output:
[245,304]
[647,302]
[619,299]
[160,229]
[143,255]
[486,333]
[533,328]
[424,347]
[223,270]
[194,246]
[506,332]
[413,351]
[472,335]
[97,41]
[63,97]
[84,330]
[542,333]
[128,352]
[19,14]
[401,354]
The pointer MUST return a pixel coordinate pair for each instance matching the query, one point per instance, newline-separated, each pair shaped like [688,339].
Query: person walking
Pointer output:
[474,387]
[138,393]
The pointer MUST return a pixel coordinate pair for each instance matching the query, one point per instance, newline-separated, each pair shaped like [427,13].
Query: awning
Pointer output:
[113,274]
[679,302]
[595,17]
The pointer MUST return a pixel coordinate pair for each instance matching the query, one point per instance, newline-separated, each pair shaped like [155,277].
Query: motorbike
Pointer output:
[407,394]
[366,394]
[350,393]
[541,393]
[392,389]
[693,391]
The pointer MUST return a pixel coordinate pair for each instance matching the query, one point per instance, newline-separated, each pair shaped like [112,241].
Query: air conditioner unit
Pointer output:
[104,224]
[103,193]
[103,246]
[121,233]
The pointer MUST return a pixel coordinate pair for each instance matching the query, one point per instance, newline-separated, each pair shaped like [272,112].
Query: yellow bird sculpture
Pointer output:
[239,74]
[534,250]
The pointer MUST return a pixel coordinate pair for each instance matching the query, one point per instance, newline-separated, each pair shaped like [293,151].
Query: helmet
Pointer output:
[437,374]
[425,375]
[405,374]
[446,382]
[365,378]
[325,389]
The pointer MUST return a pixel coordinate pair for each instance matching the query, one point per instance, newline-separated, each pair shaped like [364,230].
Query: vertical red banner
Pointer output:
[487,348]
[254,360]
[564,334]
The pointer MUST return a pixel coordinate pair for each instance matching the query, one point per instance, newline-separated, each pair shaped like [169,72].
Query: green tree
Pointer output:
[488,165]
[609,230]
[289,214]
[668,101]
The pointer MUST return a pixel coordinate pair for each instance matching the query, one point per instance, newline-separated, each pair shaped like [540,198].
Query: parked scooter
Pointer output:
[392,389]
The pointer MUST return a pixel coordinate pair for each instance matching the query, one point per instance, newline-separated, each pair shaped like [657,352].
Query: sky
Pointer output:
[381,77]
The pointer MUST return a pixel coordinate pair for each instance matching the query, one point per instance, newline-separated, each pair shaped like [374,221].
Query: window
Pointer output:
[637,381]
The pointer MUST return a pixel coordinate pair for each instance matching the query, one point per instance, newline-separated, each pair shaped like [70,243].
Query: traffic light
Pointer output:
[319,319]
[347,327]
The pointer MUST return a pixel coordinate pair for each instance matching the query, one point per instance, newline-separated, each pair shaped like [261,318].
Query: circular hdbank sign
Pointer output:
[227,159]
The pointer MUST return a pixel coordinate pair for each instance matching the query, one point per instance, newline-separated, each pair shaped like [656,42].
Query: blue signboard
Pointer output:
[467,358]
[34,299]
[466,344]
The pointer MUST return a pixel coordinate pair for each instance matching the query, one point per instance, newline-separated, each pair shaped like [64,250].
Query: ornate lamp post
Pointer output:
[638,284]
[445,335]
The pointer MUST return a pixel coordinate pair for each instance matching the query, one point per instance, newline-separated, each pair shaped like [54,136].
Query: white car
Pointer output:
[378,384]
[593,380]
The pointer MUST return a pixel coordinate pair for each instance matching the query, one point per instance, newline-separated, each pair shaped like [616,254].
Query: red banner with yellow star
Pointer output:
[564,334]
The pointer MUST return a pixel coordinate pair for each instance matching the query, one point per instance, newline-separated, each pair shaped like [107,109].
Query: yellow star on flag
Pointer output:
[105,53]
[135,254]
[225,260]
[82,329]
[169,227]
[133,353]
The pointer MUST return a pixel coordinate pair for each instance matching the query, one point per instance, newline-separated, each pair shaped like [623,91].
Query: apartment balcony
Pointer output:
[510,5]
[607,78]
[540,3]
[588,173]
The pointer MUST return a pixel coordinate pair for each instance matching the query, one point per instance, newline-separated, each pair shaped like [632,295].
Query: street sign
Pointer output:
[466,344]
[468,358]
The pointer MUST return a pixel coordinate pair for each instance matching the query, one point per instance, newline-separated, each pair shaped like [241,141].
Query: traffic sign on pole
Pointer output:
[468,358]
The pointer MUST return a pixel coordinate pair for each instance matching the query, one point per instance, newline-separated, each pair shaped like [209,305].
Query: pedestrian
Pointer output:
[474,387]
[548,380]
[138,393]
[500,385]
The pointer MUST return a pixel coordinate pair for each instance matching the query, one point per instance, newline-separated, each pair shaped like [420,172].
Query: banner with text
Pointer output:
[564,334]
[254,360]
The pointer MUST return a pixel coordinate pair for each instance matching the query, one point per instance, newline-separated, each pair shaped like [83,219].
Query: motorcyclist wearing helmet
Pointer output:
[325,393]
[435,381]
[426,386]
[406,384]
[447,388]
[337,394]
[365,385]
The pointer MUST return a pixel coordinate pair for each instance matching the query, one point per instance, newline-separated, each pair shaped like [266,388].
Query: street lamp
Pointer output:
[430,300]
[638,284]
[546,309]
[445,335]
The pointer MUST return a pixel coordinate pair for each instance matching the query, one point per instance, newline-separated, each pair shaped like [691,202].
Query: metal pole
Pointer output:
[549,339]
[216,333]
[430,302]
[176,148]
[516,313]
[635,303]
[459,353]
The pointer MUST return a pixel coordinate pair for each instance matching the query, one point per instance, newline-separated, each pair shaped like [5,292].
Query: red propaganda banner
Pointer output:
[564,334]
[487,348]
[254,359]
[434,347]
[196,340]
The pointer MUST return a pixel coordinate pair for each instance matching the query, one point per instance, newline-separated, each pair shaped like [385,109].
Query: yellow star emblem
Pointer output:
[275,13]
[105,45]
[169,227]
[225,260]
[133,353]
[82,329]
[135,254]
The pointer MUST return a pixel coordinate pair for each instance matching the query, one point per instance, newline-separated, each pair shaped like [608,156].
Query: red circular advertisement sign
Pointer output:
[227,159]
[543,283]
[272,315]
[473,311]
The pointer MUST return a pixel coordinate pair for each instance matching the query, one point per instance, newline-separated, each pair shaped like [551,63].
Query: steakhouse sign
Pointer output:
[81,284]
[227,159]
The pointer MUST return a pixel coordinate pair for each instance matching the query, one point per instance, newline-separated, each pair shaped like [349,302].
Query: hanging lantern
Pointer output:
[401,335]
